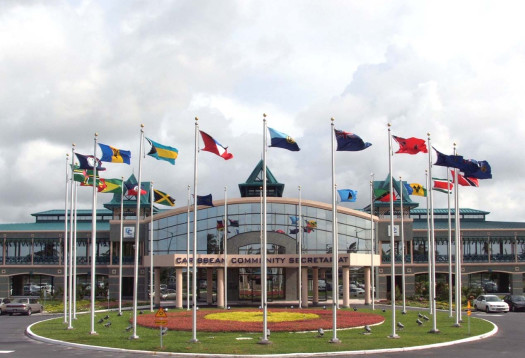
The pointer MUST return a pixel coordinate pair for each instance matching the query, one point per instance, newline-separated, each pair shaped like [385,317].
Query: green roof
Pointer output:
[255,181]
[462,211]
[51,226]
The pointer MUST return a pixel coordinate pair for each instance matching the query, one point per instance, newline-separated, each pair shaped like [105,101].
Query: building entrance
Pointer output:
[250,286]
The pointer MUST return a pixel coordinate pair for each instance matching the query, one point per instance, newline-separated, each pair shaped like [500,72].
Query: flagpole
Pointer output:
[120,248]
[261,236]
[300,276]
[151,250]
[335,264]
[74,253]
[372,239]
[403,280]
[70,268]
[225,247]
[458,246]
[449,251]
[137,238]
[65,252]
[188,252]
[264,339]
[433,244]
[195,210]
[392,242]
[429,186]
[94,236]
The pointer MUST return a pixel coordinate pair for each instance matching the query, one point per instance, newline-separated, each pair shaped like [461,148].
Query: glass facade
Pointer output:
[171,233]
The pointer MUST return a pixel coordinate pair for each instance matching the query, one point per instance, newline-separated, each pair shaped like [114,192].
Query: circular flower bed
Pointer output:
[287,320]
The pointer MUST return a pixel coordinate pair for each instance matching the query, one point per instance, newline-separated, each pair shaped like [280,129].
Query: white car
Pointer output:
[490,303]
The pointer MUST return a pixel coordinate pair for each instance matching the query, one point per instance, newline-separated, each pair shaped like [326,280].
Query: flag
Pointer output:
[113,186]
[80,175]
[451,161]
[408,188]
[211,145]
[162,198]
[349,142]
[380,193]
[417,189]
[234,223]
[411,145]
[87,162]
[205,200]
[220,225]
[386,198]
[132,187]
[442,185]
[477,169]
[294,220]
[100,183]
[282,140]
[347,195]
[310,225]
[465,181]
[294,231]
[114,155]
[163,152]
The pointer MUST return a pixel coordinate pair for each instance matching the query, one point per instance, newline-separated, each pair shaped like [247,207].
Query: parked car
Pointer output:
[357,292]
[23,305]
[515,302]
[168,294]
[3,302]
[490,286]
[490,303]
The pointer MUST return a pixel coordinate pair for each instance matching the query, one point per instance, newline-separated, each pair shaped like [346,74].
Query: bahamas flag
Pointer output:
[114,155]
[282,140]
[163,152]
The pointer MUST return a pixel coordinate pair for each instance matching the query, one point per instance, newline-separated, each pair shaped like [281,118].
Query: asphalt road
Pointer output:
[506,343]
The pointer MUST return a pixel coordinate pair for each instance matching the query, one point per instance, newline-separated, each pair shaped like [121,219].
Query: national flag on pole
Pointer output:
[88,162]
[417,189]
[80,175]
[310,225]
[347,141]
[451,161]
[132,187]
[465,181]
[113,186]
[100,183]
[408,188]
[347,195]
[206,200]
[294,220]
[114,155]
[442,185]
[411,145]
[163,152]
[162,198]
[383,195]
[282,140]
[211,145]
[477,169]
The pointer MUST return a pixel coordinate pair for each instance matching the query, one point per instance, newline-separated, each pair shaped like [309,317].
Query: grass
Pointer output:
[282,342]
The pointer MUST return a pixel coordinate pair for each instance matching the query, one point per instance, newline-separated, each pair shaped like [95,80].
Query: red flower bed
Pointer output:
[182,321]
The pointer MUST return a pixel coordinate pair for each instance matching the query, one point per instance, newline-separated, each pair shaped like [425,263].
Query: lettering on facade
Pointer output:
[252,260]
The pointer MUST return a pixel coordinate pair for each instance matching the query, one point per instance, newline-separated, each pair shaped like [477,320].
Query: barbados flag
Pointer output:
[114,155]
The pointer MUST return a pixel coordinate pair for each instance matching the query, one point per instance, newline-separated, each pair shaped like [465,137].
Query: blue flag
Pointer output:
[282,140]
[88,162]
[205,200]
[294,220]
[349,141]
[409,189]
[451,161]
[477,169]
[114,155]
[163,152]
[347,195]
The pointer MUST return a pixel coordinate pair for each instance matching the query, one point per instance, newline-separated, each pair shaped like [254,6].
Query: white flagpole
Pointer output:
[300,275]
[458,246]
[261,237]
[372,239]
[264,339]
[137,239]
[94,236]
[151,251]
[225,247]
[429,250]
[74,254]
[188,252]
[392,242]
[449,251]
[195,210]
[402,242]
[120,248]
[432,246]
[65,252]
[335,249]
[71,228]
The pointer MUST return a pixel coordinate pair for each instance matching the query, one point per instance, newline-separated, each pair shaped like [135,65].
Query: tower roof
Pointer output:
[252,186]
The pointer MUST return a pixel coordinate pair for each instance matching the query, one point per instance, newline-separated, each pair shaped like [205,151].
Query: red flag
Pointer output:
[411,145]
[134,191]
[465,181]
[211,145]
[442,185]
[386,198]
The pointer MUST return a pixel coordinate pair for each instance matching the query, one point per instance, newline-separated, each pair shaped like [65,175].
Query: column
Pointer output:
[179,290]
[220,287]
[304,286]
[368,286]
[156,286]
[315,284]
[346,287]
[209,285]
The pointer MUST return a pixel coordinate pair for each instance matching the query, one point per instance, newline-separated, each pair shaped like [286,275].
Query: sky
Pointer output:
[70,69]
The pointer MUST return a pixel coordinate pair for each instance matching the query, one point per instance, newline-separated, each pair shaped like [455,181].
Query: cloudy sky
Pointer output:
[454,69]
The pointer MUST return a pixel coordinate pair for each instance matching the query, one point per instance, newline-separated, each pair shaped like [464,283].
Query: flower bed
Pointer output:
[183,320]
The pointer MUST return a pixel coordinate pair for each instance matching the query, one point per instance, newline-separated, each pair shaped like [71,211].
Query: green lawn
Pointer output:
[178,341]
